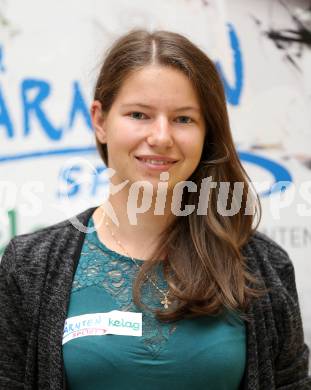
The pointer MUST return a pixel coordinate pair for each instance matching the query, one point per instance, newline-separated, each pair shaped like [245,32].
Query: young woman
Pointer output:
[167,287]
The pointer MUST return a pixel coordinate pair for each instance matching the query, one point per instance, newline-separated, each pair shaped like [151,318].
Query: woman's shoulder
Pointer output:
[277,313]
[260,243]
[267,258]
[31,248]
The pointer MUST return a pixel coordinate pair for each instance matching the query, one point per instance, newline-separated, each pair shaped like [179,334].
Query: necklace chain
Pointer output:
[165,302]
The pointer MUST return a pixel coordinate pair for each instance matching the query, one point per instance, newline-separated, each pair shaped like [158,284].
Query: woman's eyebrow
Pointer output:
[151,107]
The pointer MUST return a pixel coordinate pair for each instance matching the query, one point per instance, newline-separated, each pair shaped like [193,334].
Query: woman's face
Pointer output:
[154,125]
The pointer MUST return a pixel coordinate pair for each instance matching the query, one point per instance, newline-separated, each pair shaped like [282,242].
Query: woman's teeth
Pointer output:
[156,162]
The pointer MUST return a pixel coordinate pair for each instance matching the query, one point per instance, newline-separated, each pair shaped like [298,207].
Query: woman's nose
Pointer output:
[161,133]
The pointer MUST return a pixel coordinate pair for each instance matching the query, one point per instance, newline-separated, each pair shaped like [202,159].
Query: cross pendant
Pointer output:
[166,302]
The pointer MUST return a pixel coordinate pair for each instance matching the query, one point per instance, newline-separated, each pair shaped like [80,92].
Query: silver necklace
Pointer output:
[165,301]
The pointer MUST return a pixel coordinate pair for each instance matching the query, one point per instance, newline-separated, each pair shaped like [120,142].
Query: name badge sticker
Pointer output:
[98,324]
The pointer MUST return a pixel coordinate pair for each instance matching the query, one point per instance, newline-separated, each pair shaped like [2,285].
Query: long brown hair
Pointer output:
[204,266]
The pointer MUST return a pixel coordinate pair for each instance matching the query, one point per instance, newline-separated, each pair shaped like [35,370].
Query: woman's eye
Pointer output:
[186,119]
[137,115]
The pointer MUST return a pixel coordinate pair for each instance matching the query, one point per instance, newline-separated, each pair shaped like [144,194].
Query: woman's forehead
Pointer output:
[154,86]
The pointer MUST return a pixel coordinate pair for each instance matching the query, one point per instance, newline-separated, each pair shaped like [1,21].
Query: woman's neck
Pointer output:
[137,231]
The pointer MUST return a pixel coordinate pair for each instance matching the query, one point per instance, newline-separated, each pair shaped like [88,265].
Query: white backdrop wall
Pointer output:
[50,54]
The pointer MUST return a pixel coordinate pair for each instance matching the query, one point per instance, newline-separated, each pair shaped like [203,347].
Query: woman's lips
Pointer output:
[153,166]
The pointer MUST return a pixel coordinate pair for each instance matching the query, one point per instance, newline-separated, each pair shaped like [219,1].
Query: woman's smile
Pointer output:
[156,163]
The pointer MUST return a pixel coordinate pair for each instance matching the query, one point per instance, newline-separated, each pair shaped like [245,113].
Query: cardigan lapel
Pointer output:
[55,301]
[259,369]
[250,379]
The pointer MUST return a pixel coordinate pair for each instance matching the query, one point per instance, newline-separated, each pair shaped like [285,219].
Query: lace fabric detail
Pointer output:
[102,267]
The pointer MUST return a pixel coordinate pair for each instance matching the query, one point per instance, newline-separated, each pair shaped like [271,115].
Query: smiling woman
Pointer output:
[140,147]
[214,301]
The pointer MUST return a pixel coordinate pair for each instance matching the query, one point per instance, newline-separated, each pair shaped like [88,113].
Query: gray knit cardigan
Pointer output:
[36,274]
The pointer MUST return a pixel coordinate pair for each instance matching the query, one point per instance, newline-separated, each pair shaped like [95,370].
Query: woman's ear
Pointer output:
[98,121]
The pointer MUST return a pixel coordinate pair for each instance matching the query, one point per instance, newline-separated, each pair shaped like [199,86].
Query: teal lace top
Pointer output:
[205,352]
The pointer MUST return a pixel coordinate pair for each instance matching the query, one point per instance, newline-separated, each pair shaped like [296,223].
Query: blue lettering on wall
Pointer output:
[5,119]
[79,106]
[98,180]
[72,184]
[278,171]
[233,93]
[35,92]
[32,107]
